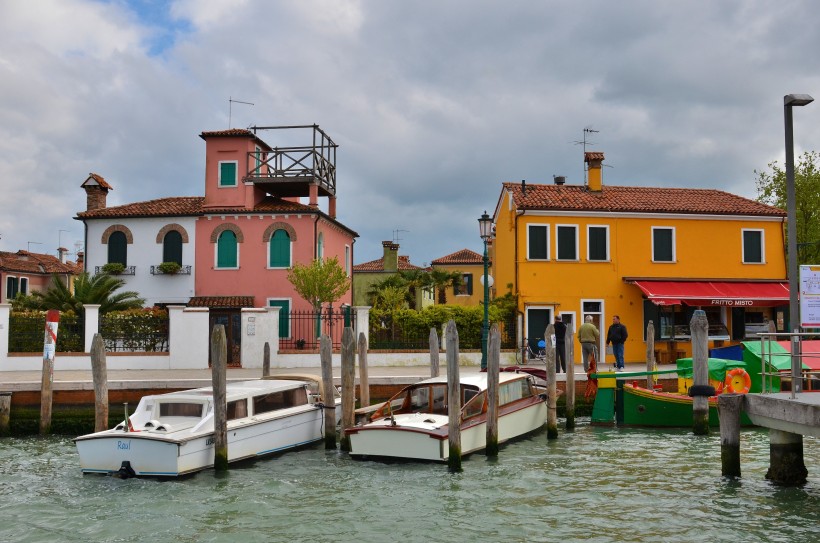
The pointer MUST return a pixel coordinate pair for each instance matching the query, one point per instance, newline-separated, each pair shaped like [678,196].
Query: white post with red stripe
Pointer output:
[49,348]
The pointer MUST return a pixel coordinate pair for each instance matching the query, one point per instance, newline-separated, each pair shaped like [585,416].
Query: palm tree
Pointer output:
[415,279]
[98,289]
[441,279]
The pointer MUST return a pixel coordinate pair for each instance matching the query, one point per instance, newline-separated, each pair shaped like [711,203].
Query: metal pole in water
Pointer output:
[493,363]
[219,369]
[453,398]
[650,353]
[570,381]
[699,327]
[552,388]
[348,384]
[100,377]
[328,393]
[364,383]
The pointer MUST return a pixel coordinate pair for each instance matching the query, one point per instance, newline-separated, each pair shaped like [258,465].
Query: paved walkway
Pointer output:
[132,379]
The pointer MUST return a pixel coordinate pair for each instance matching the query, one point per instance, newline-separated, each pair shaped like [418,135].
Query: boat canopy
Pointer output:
[717,367]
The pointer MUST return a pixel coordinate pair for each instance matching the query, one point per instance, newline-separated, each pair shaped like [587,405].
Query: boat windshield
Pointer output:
[426,398]
[181,409]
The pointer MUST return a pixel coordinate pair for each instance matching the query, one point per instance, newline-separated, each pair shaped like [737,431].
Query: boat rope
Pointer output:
[320,405]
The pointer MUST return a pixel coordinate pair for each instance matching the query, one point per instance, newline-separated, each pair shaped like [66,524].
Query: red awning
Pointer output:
[721,293]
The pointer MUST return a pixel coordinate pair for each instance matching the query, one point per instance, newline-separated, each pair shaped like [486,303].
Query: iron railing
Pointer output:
[183,270]
[27,334]
[305,328]
[387,336]
[128,270]
[121,334]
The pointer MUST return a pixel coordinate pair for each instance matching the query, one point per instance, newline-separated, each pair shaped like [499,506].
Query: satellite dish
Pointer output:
[489,280]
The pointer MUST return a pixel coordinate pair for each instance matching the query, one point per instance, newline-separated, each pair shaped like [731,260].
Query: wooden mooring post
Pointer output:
[348,385]
[47,381]
[729,408]
[266,360]
[569,394]
[219,370]
[493,367]
[552,387]
[434,349]
[700,390]
[5,413]
[650,354]
[453,398]
[99,374]
[364,380]
[328,394]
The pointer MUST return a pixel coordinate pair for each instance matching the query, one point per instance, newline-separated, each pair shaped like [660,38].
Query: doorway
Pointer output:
[232,321]
[537,320]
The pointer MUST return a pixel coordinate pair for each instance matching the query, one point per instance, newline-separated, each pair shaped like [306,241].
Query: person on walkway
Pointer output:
[589,337]
[617,336]
[560,349]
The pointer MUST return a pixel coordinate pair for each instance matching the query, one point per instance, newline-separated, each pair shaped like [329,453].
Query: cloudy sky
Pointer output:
[433,103]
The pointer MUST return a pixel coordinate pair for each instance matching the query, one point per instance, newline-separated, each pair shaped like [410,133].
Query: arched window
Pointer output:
[320,246]
[172,247]
[227,250]
[118,248]
[280,250]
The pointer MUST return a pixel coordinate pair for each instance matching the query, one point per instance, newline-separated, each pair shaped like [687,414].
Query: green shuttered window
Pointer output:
[227,250]
[227,174]
[280,250]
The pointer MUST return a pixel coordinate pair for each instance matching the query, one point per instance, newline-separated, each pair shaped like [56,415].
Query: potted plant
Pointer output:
[169,268]
[300,343]
[113,268]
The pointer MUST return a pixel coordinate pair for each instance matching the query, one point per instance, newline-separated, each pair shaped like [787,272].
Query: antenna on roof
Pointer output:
[34,242]
[584,142]
[231,102]
[396,237]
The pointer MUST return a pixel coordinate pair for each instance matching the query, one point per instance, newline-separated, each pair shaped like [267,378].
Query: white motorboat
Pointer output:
[173,434]
[413,424]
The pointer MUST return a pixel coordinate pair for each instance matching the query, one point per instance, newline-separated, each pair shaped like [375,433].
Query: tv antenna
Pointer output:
[29,244]
[584,142]
[231,102]
[396,234]
[60,237]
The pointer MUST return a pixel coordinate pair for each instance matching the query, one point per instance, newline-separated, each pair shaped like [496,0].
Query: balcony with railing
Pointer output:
[128,270]
[291,170]
[183,270]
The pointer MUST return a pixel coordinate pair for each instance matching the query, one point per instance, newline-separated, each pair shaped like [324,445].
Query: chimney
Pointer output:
[594,159]
[559,179]
[523,187]
[61,252]
[81,260]
[391,256]
[96,191]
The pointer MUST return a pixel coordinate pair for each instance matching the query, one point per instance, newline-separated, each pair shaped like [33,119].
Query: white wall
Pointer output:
[188,337]
[144,253]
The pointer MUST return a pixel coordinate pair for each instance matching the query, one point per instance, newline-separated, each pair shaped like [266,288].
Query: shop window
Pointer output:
[753,247]
[567,240]
[663,244]
[537,242]
[118,248]
[598,243]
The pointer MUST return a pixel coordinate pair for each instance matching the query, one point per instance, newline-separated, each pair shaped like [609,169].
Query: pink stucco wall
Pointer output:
[220,149]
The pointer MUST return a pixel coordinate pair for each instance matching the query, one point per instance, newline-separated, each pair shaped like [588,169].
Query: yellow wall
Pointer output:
[477,297]
[707,247]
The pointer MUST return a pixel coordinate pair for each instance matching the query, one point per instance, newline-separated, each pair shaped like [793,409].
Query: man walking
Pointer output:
[560,349]
[617,336]
[589,337]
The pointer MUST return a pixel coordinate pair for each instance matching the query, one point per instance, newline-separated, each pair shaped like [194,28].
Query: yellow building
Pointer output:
[643,254]
[471,267]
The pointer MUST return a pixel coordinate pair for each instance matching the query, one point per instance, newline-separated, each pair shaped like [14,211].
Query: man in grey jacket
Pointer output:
[589,338]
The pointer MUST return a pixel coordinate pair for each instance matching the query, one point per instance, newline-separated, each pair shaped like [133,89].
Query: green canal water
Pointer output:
[593,484]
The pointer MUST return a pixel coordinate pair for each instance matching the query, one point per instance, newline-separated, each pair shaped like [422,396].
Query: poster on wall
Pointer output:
[810,296]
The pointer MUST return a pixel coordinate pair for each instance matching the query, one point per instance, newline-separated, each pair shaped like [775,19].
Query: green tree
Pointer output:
[323,281]
[771,189]
[101,289]
[441,279]
[416,280]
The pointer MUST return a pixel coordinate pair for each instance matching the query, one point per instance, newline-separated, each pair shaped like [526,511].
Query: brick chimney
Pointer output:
[594,181]
[96,191]
[81,260]
[391,256]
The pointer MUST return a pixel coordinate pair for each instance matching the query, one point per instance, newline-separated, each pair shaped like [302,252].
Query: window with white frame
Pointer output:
[12,284]
[24,286]
[663,244]
[538,242]
[566,236]
[228,170]
[598,243]
[753,247]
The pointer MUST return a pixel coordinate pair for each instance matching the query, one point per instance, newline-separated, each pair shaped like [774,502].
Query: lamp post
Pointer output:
[485,226]
[789,101]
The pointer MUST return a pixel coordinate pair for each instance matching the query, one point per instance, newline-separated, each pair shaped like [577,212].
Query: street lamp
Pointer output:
[789,101]
[485,226]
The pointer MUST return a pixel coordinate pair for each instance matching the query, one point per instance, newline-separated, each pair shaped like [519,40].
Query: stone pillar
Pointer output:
[92,324]
[786,465]
[363,321]
[189,337]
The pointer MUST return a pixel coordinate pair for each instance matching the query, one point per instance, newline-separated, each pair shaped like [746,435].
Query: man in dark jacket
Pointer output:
[617,336]
[560,349]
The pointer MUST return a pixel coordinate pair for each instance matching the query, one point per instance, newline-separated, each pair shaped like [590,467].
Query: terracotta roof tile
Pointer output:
[378,265]
[233,133]
[221,302]
[637,200]
[191,206]
[464,256]
[100,180]
[26,262]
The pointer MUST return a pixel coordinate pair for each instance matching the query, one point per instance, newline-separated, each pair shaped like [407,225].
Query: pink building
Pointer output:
[260,215]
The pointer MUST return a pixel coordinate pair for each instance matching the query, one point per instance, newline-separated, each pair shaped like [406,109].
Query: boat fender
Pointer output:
[153,423]
[737,381]
[701,390]
[164,428]
[543,396]
[125,471]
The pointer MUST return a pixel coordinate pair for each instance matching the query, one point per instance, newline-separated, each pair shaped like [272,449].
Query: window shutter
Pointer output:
[227,174]
[280,249]
[226,250]
[118,248]
[537,242]
[172,247]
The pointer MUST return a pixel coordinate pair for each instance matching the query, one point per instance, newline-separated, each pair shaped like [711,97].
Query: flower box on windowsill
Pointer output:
[183,270]
[127,270]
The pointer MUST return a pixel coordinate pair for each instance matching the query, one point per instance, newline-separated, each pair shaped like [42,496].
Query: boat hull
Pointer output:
[414,441]
[150,454]
[644,407]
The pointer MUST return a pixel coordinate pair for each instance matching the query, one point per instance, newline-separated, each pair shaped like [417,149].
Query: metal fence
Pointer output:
[135,333]
[304,328]
[27,333]
[394,338]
